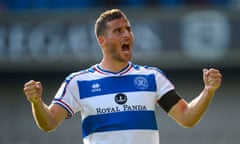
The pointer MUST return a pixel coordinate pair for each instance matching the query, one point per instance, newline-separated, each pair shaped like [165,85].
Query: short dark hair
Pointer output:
[105,17]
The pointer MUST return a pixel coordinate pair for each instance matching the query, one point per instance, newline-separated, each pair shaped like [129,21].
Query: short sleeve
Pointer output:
[164,85]
[68,97]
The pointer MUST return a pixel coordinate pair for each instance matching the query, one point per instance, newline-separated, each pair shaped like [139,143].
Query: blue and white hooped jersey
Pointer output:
[116,108]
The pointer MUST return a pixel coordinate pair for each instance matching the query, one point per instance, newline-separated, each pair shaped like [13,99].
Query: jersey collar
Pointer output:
[106,72]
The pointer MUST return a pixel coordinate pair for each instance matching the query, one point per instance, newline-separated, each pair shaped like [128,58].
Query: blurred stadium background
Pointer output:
[48,39]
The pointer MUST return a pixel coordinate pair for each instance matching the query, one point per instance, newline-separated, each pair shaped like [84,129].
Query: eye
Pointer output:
[129,29]
[118,30]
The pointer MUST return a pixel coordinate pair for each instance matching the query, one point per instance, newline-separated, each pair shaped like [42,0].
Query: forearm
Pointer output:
[197,107]
[188,114]
[43,116]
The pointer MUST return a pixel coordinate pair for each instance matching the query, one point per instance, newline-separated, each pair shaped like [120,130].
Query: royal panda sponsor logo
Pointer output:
[121,99]
[121,108]
[134,107]
[107,110]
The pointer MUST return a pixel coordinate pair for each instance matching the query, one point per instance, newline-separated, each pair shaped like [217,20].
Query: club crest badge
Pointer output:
[141,83]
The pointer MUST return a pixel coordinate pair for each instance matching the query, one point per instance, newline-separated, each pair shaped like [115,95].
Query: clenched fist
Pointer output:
[212,79]
[33,91]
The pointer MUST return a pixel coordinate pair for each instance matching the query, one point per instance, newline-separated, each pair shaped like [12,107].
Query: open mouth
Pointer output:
[125,47]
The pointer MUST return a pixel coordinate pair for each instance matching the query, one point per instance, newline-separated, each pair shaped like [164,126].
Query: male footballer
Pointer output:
[117,98]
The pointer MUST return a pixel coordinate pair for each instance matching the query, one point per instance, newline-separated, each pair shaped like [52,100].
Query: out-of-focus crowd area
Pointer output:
[41,5]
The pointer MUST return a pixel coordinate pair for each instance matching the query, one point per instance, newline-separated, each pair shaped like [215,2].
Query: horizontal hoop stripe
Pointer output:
[139,120]
[108,85]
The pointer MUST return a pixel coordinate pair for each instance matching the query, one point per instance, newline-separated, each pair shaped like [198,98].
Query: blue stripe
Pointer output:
[119,84]
[141,120]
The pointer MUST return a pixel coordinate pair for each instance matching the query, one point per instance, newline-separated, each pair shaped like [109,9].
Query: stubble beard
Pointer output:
[118,57]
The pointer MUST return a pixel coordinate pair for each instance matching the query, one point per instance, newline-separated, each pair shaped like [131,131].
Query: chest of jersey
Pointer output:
[110,101]
[113,94]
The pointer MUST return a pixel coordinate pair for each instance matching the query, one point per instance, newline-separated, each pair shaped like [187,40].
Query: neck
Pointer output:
[113,66]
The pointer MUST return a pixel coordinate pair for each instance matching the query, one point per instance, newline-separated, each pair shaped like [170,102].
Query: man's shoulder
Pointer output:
[146,68]
[79,74]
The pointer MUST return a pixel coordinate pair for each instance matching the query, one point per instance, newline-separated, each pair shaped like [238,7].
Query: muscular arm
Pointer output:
[189,114]
[46,117]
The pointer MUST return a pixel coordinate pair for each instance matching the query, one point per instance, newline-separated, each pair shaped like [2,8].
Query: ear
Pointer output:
[101,41]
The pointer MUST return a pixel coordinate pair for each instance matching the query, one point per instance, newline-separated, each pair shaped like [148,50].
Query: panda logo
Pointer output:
[120,98]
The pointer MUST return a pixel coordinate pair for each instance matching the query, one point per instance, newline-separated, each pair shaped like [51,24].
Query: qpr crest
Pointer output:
[120,98]
[141,83]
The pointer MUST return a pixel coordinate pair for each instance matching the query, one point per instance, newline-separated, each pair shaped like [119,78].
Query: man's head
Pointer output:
[104,18]
[114,35]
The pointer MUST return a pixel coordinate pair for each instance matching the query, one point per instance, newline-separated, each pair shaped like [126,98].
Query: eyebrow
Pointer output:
[119,28]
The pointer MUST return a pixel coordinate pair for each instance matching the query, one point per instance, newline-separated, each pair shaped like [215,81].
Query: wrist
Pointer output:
[209,90]
[35,101]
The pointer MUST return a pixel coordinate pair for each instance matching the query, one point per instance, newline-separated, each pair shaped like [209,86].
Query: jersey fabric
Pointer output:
[116,108]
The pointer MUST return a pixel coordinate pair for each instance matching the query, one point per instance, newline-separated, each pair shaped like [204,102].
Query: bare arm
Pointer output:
[46,117]
[189,114]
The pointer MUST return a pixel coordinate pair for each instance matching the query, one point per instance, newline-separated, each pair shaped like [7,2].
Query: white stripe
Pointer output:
[107,104]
